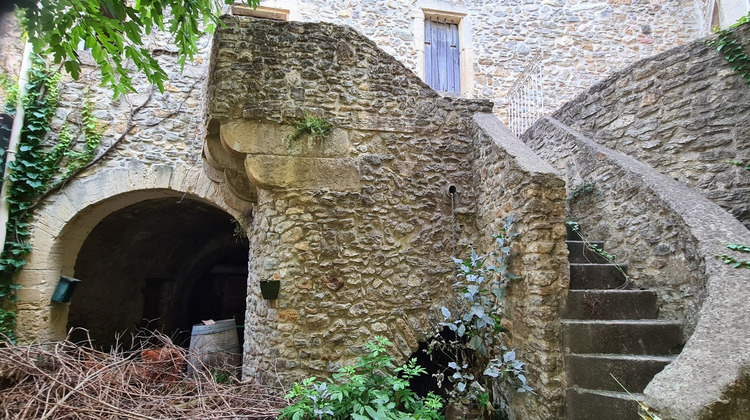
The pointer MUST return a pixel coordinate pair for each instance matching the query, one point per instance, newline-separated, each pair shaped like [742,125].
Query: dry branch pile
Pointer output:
[64,380]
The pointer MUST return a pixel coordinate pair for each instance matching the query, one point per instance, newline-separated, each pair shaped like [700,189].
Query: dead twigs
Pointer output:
[64,380]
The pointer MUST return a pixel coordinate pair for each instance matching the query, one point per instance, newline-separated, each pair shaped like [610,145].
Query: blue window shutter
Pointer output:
[442,56]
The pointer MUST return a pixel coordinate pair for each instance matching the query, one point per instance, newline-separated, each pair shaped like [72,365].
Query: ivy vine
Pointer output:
[728,43]
[733,261]
[37,168]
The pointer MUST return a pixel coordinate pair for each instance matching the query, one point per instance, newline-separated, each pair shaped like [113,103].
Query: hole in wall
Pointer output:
[434,362]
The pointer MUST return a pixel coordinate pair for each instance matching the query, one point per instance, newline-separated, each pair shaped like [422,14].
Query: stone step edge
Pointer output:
[626,357]
[599,244]
[623,266]
[654,322]
[622,395]
[603,291]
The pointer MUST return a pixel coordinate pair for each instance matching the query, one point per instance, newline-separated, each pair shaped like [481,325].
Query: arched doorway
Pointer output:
[161,264]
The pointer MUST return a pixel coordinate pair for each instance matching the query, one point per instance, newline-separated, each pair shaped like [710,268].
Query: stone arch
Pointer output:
[65,220]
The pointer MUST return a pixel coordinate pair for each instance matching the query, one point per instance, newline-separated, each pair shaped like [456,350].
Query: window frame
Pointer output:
[465,55]
[726,12]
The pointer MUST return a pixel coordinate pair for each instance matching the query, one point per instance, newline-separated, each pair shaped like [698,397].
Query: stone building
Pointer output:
[201,196]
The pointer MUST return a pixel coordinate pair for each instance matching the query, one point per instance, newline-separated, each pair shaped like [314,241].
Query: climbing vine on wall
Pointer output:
[37,168]
[730,46]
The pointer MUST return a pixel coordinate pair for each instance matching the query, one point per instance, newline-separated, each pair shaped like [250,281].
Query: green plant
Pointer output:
[477,352]
[372,388]
[36,169]
[645,412]
[740,164]
[114,32]
[239,231]
[583,194]
[317,128]
[727,43]
[736,262]
[10,87]
[576,227]
[221,376]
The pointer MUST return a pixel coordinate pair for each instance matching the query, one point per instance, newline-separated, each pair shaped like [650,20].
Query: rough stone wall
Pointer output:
[684,112]
[669,236]
[354,260]
[704,8]
[168,128]
[510,179]
[362,245]
[582,41]
[166,136]
[636,228]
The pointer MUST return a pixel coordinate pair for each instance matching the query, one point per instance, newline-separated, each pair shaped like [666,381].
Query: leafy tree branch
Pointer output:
[114,30]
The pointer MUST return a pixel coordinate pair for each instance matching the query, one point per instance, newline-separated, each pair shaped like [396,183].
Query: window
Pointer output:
[726,12]
[441,50]
[443,42]
[715,18]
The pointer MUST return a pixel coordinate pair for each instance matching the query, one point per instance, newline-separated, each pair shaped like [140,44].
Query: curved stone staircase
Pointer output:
[609,329]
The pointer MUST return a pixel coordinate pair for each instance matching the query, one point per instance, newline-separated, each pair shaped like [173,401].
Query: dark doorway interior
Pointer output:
[161,264]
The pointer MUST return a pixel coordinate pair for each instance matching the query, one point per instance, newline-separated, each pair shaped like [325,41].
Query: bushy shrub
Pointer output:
[372,388]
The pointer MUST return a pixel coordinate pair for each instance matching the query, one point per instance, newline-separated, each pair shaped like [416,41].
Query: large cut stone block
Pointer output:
[218,156]
[255,138]
[239,185]
[294,172]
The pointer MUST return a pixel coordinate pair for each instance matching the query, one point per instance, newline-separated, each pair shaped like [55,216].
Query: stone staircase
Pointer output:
[610,329]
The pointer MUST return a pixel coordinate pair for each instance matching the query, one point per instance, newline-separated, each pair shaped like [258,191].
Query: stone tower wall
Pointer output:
[359,228]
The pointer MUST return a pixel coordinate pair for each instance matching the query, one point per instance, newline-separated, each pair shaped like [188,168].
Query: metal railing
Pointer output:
[526,97]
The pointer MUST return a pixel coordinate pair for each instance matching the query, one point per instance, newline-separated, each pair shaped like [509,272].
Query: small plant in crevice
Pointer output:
[576,227]
[583,194]
[741,164]
[317,128]
[372,388]
[241,225]
[10,87]
[239,231]
[477,352]
[734,261]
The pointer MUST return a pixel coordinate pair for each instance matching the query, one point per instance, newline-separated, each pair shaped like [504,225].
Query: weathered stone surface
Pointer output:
[220,158]
[354,261]
[685,112]
[240,186]
[580,41]
[253,138]
[669,235]
[293,172]
[511,179]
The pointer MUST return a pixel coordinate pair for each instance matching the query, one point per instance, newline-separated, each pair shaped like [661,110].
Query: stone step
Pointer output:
[580,252]
[592,371]
[586,404]
[654,337]
[596,276]
[572,234]
[611,304]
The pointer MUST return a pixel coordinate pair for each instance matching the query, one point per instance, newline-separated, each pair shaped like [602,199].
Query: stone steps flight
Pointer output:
[609,329]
